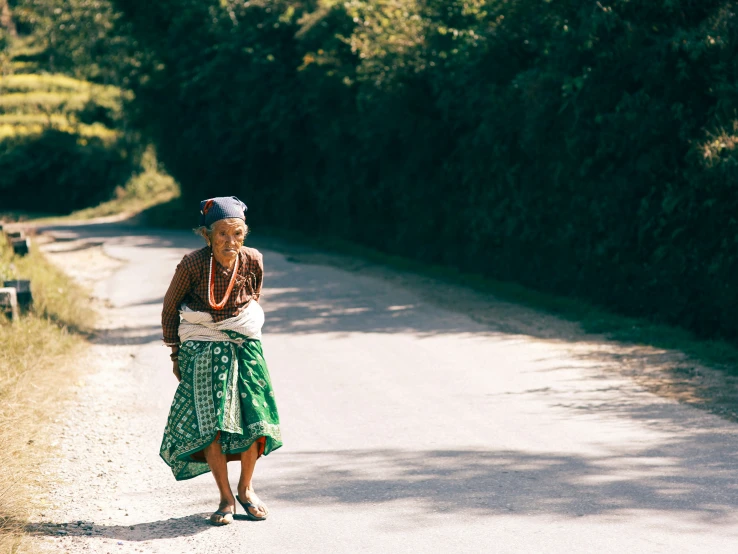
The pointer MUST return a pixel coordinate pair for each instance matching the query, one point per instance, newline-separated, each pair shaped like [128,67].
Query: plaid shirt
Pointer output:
[190,287]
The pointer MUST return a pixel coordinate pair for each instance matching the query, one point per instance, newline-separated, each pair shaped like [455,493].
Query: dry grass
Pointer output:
[36,373]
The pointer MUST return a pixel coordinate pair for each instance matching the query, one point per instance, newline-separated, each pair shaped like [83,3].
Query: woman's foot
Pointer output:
[252,503]
[224,514]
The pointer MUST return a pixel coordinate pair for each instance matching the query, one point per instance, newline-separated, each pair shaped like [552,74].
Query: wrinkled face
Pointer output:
[226,238]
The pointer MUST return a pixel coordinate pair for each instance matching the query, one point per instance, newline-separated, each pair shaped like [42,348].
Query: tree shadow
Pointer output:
[483,483]
[76,246]
[692,477]
[153,530]
[150,302]
[139,335]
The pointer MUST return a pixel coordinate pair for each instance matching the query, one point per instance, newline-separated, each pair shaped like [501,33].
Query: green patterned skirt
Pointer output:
[225,393]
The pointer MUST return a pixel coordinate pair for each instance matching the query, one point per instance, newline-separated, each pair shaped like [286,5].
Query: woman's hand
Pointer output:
[174,356]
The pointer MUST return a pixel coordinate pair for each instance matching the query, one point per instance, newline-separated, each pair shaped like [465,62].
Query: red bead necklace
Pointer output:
[211,278]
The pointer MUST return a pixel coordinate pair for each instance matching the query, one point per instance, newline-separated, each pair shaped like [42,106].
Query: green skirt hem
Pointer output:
[195,468]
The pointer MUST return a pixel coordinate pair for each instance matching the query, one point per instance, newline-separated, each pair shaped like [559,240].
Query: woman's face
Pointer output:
[226,239]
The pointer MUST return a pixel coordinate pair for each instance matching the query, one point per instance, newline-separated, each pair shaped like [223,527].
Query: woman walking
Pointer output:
[224,408]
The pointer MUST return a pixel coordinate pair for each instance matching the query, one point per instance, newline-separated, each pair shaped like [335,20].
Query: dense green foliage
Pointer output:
[57,172]
[586,148]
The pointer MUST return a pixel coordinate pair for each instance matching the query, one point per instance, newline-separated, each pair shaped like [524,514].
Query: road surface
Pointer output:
[408,425]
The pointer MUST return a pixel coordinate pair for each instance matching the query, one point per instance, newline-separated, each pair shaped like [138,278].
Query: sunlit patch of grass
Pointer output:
[36,125]
[31,104]
[33,92]
[149,188]
[26,82]
[43,101]
[60,85]
[33,119]
[37,370]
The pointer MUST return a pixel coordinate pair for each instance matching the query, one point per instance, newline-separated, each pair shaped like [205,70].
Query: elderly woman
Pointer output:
[224,407]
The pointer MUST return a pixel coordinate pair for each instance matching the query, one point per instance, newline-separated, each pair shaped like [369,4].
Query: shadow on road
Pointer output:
[140,335]
[154,530]
[667,477]
[662,478]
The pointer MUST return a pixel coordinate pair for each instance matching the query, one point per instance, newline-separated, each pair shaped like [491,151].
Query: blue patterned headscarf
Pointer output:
[221,207]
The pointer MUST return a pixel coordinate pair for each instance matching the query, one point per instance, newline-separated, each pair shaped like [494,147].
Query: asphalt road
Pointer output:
[408,427]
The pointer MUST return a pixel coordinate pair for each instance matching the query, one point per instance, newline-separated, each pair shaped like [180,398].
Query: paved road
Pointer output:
[408,427]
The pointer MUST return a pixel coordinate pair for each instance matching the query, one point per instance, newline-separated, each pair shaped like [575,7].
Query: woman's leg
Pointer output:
[219,467]
[245,486]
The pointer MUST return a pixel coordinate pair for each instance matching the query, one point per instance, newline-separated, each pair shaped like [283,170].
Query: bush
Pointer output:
[58,171]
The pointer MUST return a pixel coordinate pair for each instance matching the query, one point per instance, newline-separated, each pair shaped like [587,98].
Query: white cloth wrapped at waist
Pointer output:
[200,325]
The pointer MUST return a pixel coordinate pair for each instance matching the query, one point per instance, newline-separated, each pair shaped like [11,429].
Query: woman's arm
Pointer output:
[178,288]
[258,275]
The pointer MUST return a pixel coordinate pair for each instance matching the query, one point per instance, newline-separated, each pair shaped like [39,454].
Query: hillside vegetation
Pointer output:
[64,139]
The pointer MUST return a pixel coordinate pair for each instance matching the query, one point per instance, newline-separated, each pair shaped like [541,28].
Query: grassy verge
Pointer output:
[36,372]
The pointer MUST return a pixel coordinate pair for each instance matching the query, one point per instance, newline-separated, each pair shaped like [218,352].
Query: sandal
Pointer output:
[224,519]
[249,515]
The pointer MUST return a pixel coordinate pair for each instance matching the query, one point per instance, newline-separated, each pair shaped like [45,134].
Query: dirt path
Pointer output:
[416,419]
